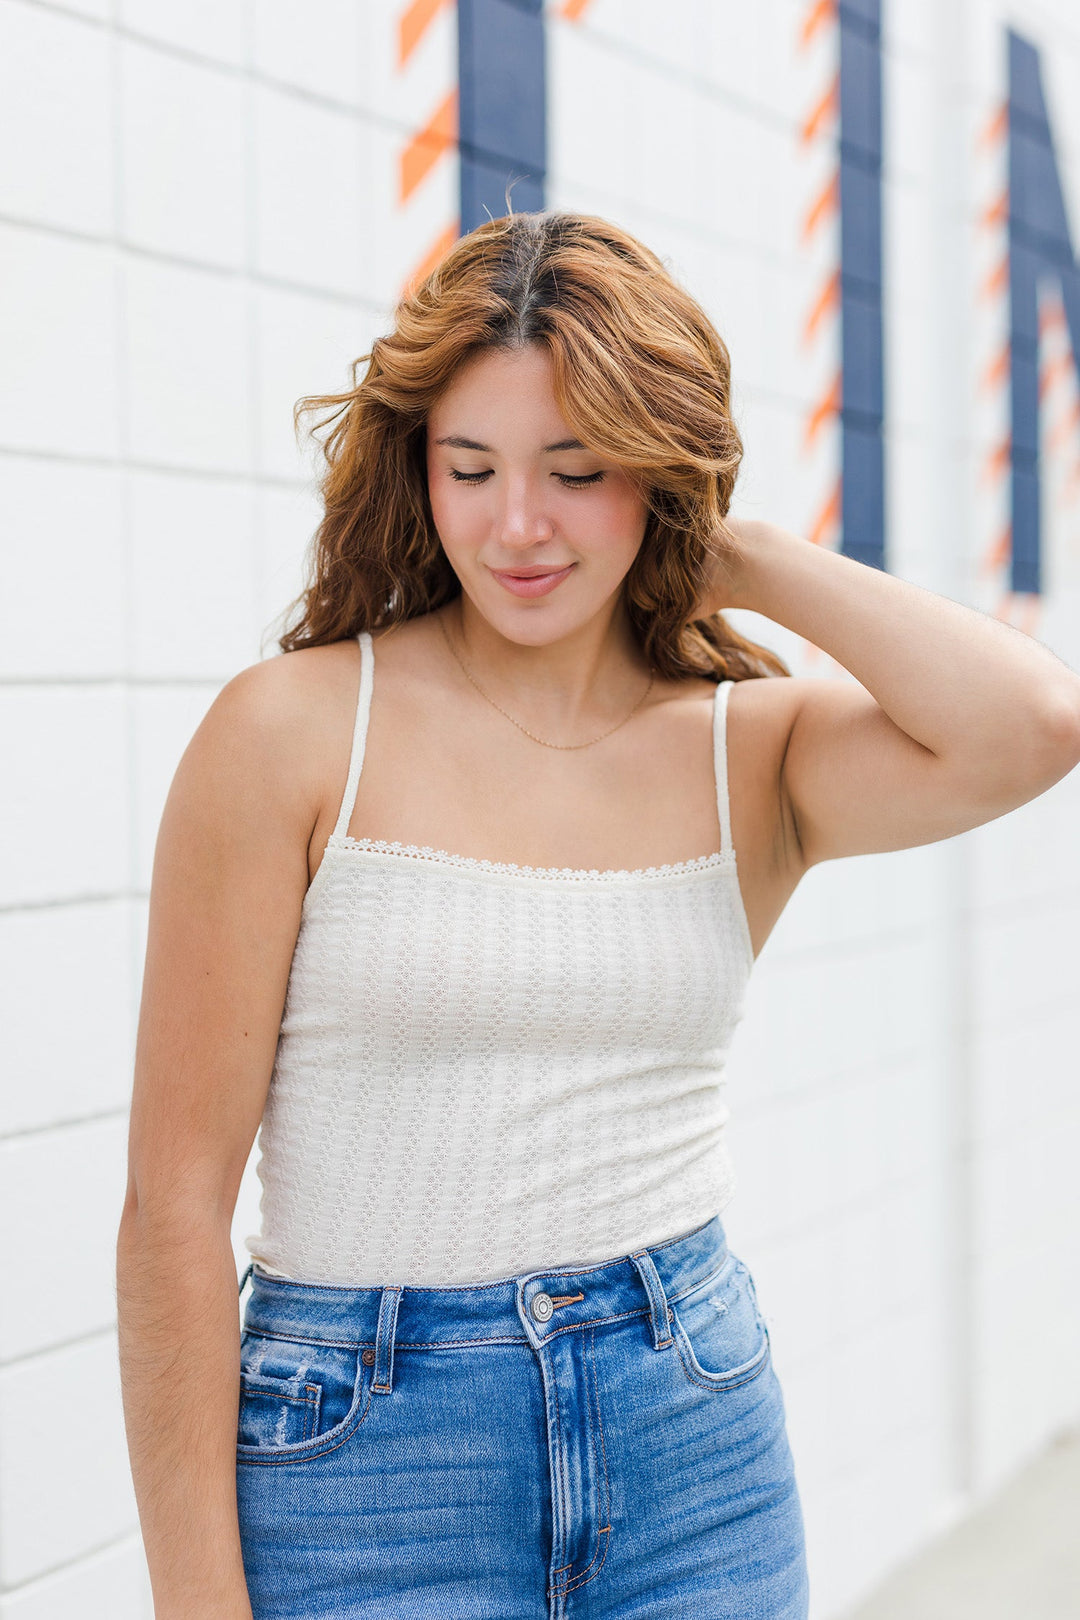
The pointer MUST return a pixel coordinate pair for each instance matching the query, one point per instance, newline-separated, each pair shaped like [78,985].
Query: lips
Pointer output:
[536,580]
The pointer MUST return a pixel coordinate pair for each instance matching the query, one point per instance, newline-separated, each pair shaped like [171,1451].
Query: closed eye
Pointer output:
[564,478]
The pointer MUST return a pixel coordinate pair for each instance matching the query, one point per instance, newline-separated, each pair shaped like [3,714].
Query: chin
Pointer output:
[532,622]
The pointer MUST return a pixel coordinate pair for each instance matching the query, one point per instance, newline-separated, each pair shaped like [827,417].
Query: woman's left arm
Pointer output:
[957,717]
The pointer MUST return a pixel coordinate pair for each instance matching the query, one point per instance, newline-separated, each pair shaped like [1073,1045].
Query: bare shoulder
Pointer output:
[767,709]
[761,711]
[266,740]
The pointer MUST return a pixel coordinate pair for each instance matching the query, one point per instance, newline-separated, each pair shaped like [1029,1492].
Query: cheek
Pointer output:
[620,524]
[458,521]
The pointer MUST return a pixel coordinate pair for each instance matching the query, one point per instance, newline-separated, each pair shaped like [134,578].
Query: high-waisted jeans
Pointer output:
[597,1440]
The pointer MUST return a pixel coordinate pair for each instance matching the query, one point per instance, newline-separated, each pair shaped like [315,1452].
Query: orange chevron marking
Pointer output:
[997,460]
[1053,371]
[821,12]
[820,114]
[1019,605]
[572,10]
[1024,603]
[998,211]
[1051,316]
[996,281]
[438,250]
[827,518]
[997,554]
[828,298]
[826,203]
[414,23]
[1065,428]
[1029,613]
[823,410]
[996,371]
[995,127]
[428,145]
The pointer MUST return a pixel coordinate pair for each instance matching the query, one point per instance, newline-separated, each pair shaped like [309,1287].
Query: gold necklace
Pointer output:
[525,729]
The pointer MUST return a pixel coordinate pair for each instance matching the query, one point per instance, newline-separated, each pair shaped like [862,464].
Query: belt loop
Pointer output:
[658,1305]
[382,1381]
[247,1274]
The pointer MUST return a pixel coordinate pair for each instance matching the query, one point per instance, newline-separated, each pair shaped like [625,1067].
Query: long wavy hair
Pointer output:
[640,375]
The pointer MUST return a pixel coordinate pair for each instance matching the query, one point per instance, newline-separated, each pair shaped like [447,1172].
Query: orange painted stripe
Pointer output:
[1065,427]
[1051,316]
[997,460]
[998,211]
[997,554]
[996,371]
[572,10]
[820,114]
[428,145]
[1053,371]
[823,410]
[438,250]
[996,281]
[827,518]
[995,126]
[821,12]
[826,203]
[414,23]
[828,298]
[1029,617]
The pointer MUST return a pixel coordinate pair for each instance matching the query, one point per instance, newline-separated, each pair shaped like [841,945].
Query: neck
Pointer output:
[586,676]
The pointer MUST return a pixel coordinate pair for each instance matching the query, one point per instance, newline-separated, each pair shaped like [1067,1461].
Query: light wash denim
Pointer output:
[586,1441]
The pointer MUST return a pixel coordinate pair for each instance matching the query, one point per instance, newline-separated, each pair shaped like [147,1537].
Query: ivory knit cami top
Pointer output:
[484,1069]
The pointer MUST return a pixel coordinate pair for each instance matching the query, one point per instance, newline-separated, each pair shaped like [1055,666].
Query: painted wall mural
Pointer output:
[495,120]
[1044,295]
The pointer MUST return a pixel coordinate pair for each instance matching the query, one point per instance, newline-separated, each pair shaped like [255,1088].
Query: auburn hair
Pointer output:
[639,373]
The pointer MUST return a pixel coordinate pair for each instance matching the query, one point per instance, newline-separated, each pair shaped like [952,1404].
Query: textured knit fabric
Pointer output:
[485,1068]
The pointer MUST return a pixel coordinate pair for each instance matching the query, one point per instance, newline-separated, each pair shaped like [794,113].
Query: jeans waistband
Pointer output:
[531,1307]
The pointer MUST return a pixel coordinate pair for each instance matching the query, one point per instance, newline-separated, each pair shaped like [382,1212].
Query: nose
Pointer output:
[523,521]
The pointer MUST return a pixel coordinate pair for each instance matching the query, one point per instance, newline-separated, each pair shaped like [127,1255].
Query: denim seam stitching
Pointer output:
[663,1337]
[583,1576]
[390,1312]
[564,1505]
[400,1344]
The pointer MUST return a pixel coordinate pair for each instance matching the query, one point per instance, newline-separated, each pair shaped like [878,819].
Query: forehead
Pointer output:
[492,384]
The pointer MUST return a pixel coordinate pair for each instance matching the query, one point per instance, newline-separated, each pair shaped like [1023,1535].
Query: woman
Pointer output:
[447,898]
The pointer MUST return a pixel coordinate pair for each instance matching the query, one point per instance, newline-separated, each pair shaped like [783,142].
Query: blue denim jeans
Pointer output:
[597,1440]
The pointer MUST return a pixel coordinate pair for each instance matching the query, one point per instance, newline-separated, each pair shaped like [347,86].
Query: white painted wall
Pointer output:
[199,223]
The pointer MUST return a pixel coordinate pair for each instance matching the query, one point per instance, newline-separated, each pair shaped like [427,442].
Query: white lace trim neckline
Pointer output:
[572,874]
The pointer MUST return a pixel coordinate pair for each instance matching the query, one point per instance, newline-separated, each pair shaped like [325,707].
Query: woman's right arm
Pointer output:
[230,872]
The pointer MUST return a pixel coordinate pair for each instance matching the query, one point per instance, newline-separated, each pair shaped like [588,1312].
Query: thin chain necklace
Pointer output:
[525,729]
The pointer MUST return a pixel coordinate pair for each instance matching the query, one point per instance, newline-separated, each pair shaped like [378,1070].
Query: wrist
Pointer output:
[744,559]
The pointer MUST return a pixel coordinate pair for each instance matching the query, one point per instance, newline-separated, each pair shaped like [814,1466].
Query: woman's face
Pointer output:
[540,531]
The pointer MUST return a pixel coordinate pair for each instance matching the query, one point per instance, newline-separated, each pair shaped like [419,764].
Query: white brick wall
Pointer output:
[906,1122]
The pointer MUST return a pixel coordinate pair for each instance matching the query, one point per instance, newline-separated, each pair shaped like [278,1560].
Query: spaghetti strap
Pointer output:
[723,808]
[363,711]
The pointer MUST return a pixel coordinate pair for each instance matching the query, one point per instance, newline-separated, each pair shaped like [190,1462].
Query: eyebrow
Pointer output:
[458,443]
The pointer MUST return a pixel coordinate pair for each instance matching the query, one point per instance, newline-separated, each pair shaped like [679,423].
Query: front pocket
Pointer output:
[719,1332]
[299,1398]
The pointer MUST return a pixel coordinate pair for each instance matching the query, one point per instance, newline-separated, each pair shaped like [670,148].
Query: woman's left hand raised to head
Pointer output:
[957,717]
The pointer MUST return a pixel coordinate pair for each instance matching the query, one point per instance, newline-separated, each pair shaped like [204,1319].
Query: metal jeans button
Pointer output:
[541,1308]
[368,1358]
